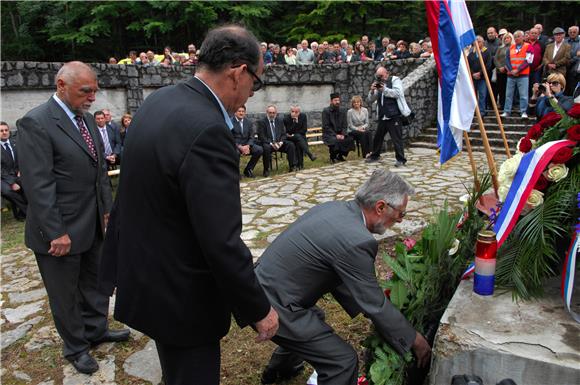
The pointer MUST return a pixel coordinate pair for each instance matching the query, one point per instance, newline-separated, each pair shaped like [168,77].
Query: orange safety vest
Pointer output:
[518,57]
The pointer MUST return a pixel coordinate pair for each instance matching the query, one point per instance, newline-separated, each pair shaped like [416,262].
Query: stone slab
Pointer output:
[144,364]
[535,342]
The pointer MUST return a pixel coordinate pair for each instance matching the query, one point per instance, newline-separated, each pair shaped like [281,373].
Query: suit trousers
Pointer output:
[79,310]
[335,361]
[287,147]
[198,365]
[17,199]
[255,153]
[395,129]
[301,147]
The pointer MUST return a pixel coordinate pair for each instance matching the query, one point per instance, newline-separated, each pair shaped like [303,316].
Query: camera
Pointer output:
[378,81]
[542,87]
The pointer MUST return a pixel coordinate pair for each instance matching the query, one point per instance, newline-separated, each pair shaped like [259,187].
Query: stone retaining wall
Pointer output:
[124,87]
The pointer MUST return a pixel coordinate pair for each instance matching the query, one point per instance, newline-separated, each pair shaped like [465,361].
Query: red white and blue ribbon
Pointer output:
[570,270]
[469,271]
[531,167]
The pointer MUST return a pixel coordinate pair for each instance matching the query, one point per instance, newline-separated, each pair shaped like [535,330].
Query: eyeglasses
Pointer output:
[554,83]
[402,213]
[258,83]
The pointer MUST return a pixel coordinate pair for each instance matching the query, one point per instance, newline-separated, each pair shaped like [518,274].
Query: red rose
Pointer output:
[574,111]
[564,154]
[550,119]
[542,183]
[535,132]
[525,145]
[574,132]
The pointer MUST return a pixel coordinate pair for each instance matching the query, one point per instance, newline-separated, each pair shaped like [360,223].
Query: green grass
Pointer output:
[12,233]
[321,151]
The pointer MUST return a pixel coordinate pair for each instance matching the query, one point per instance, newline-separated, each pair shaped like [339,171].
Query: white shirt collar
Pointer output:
[224,111]
[67,110]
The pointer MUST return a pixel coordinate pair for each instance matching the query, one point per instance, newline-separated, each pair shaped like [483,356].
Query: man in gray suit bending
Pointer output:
[331,249]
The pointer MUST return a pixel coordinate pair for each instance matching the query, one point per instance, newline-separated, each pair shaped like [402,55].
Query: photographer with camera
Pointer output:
[388,92]
[552,88]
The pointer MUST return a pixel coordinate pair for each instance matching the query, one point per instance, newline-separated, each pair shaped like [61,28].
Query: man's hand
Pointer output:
[422,350]
[60,246]
[503,70]
[552,66]
[340,137]
[514,72]
[267,327]
[477,75]
[106,219]
[111,158]
[245,149]
[15,187]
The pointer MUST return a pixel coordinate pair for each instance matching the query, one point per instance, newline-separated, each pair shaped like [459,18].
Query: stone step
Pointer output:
[474,148]
[475,134]
[475,141]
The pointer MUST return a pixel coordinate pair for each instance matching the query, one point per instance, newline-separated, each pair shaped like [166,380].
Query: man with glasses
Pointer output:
[173,248]
[331,249]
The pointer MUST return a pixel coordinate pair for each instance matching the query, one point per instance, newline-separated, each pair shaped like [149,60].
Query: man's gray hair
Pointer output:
[71,70]
[519,32]
[384,185]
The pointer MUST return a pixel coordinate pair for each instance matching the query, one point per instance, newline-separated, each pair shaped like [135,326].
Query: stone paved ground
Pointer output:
[268,205]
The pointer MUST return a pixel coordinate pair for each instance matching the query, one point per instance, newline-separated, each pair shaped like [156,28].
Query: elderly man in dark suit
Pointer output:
[272,135]
[174,249]
[296,125]
[69,199]
[334,130]
[331,249]
[11,184]
[244,136]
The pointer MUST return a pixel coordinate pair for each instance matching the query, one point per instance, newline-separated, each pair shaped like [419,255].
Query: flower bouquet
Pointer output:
[546,167]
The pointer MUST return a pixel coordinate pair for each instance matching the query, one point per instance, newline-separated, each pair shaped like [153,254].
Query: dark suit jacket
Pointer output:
[328,250]
[174,249]
[114,139]
[294,128]
[9,166]
[68,191]
[561,60]
[265,133]
[332,124]
[245,137]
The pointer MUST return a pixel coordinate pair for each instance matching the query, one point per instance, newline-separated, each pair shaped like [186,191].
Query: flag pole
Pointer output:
[486,146]
[472,162]
[493,103]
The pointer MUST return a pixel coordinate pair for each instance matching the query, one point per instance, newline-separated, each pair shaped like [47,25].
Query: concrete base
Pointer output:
[495,338]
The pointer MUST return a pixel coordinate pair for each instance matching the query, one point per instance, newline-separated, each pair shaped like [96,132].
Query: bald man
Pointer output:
[69,196]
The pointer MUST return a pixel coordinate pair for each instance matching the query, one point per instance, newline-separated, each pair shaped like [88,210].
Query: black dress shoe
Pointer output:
[271,376]
[112,336]
[84,363]
[266,173]
[248,173]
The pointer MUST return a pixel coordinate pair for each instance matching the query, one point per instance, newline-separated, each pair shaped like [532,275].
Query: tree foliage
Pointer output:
[95,30]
